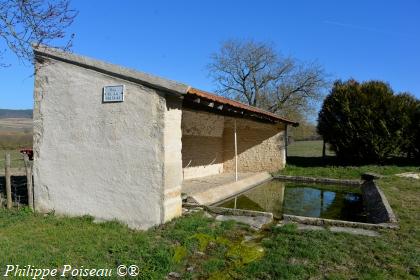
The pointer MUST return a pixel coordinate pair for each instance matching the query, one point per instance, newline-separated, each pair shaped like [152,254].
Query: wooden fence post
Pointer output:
[29,185]
[7,176]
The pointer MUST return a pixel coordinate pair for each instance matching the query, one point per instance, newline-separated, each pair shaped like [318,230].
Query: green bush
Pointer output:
[410,123]
[416,131]
[367,122]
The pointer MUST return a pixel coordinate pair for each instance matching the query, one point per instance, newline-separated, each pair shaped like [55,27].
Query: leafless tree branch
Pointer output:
[27,22]
[254,73]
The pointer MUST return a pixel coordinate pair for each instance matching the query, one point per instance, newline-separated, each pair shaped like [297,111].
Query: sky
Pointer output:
[356,39]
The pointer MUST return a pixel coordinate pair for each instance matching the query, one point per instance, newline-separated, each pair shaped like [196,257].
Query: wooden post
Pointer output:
[29,185]
[8,181]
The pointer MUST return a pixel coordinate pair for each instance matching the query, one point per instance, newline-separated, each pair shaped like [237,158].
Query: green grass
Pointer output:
[345,172]
[15,134]
[16,159]
[15,140]
[304,159]
[307,149]
[201,248]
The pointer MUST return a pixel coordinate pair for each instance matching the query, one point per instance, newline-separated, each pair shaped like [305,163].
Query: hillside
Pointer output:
[8,113]
[15,129]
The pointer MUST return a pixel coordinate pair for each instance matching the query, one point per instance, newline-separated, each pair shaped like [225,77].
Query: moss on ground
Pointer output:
[197,247]
[201,248]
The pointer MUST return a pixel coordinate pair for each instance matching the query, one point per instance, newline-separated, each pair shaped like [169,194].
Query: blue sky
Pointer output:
[174,39]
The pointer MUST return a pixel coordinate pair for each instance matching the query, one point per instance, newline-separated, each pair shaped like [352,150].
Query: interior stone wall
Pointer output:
[208,145]
[202,144]
[260,146]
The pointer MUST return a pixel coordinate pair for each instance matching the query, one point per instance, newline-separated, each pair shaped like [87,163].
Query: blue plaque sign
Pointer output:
[113,94]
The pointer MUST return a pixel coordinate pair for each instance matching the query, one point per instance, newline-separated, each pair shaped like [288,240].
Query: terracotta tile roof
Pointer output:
[239,105]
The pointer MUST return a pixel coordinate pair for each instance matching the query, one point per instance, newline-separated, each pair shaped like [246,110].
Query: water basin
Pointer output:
[302,199]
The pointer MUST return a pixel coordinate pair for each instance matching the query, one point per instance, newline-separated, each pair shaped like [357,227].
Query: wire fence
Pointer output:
[16,160]
[15,184]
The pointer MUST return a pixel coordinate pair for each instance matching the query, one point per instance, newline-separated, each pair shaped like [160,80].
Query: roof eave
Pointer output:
[240,106]
[176,88]
[112,70]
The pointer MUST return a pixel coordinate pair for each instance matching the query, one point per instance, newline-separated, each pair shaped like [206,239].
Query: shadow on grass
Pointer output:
[334,161]
[312,161]
[18,188]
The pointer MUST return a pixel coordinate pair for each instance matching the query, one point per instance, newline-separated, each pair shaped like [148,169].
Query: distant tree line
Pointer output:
[306,131]
[368,122]
[9,113]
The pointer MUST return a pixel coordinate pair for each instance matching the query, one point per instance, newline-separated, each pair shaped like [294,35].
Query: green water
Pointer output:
[309,200]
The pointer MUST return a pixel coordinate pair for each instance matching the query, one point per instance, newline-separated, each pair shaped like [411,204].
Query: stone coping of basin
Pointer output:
[320,180]
[229,211]
[255,219]
[392,217]
[222,192]
[391,220]
[386,209]
[238,212]
[292,218]
[331,222]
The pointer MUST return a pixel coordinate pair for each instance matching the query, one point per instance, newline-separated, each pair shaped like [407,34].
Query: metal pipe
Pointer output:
[286,142]
[236,155]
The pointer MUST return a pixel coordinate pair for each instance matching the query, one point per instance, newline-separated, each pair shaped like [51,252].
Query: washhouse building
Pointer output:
[116,143]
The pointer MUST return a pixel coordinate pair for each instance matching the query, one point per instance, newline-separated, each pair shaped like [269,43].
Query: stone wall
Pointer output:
[260,146]
[376,204]
[202,144]
[208,145]
[102,159]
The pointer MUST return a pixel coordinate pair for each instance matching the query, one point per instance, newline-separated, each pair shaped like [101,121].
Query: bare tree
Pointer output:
[26,22]
[254,73]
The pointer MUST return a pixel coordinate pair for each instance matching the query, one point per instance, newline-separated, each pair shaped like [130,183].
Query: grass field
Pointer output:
[16,125]
[304,158]
[307,149]
[16,159]
[197,247]
[15,134]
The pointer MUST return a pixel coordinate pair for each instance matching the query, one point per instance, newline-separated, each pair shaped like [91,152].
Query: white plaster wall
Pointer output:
[172,203]
[202,144]
[105,160]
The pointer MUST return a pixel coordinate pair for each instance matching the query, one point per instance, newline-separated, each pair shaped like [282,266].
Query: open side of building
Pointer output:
[128,160]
